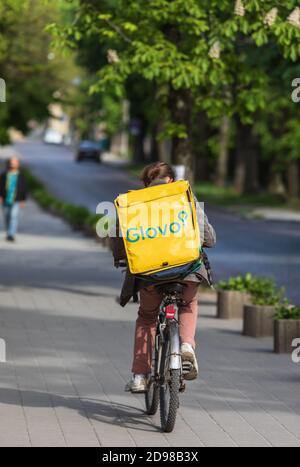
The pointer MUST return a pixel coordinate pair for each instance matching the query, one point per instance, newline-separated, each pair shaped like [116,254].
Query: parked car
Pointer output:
[88,150]
[53,137]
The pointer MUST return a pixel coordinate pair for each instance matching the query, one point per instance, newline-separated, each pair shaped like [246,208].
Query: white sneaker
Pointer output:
[189,362]
[138,384]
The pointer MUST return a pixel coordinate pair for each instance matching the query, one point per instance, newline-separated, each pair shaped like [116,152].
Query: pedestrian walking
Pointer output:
[12,196]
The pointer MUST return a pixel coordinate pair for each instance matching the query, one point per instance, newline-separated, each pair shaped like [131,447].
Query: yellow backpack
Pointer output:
[159,227]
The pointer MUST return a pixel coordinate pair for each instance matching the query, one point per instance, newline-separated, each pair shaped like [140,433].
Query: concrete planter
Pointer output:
[286,330]
[231,304]
[258,321]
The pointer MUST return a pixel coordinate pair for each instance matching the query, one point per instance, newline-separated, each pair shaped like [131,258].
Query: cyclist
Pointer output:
[150,299]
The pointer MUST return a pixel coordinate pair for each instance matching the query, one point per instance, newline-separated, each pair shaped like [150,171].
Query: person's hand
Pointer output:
[22,204]
[1,200]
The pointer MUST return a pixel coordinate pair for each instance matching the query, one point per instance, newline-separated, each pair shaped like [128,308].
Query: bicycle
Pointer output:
[166,380]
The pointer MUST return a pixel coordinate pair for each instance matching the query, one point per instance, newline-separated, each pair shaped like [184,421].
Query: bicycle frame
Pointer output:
[171,324]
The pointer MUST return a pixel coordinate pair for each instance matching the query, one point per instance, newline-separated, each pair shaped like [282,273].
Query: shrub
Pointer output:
[92,220]
[263,290]
[237,284]
[57,205]
[32,182]
[78,216]
[287,312]
[42,197]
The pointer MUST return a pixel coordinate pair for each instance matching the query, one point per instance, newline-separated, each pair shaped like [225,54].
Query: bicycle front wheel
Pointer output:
[169,389]
[169,401]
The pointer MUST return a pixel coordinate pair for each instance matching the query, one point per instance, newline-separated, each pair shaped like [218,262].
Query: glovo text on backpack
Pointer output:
[159,227]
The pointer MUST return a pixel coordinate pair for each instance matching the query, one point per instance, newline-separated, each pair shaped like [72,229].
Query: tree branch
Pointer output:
[119,31]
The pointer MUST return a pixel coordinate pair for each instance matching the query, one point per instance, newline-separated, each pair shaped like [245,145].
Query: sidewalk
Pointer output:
[276,214]
[69,351]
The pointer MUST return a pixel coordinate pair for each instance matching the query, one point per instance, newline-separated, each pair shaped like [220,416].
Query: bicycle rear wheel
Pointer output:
[169,391]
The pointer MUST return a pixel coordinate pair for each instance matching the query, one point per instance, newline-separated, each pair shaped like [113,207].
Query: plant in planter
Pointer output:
[259,315]
[287,328]
[233,295]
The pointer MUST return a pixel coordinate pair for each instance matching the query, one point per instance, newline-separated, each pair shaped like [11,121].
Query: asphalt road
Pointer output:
[261,247]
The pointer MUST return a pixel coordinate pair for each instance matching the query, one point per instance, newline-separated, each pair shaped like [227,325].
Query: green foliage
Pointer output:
[237,284]
[277,126]
[92,220]
[32,182]
[263,290]
[88,110]
[287,312]
[169,43]
[78,216]
[227,196]
[31,77]
[195,55]
[4,136]
[265,293]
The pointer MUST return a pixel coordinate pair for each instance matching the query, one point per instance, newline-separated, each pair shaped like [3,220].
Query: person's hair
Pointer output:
[157,170]
[9,161]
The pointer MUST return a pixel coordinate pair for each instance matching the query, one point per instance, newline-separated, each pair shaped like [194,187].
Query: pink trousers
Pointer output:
[150,301]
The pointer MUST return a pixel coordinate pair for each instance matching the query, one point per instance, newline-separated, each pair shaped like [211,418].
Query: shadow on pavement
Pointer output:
[112,413]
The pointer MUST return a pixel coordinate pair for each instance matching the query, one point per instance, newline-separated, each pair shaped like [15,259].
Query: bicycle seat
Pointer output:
[171,288]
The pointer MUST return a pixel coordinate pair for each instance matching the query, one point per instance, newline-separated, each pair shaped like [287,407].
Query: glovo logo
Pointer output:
[134,235]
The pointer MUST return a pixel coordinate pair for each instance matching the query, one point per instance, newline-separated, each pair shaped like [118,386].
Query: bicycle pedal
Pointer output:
[187,367]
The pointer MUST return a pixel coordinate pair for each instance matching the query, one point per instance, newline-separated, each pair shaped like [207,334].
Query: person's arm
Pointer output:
[117,244]
[207,232]
[23,189]
[210,237]
[2,188]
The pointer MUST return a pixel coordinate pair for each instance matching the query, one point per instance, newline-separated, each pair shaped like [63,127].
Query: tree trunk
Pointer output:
[240,160]
[154,148]
[222,165]
[246,168]
[182,154]
[138,149]
[252,172]
[163,145]
[139,140]
[276,185]
[293,179]
[200,134]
